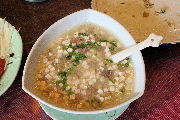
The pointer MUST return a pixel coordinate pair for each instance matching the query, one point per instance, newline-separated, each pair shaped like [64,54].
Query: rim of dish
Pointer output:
[45,110]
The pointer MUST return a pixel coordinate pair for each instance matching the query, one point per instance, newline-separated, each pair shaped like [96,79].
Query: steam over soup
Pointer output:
[75,71]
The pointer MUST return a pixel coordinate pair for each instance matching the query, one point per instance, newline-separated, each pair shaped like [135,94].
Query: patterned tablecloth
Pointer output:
[161,99]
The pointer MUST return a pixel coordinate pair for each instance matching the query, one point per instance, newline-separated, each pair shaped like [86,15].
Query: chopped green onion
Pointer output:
[64,84]
[94,35]
[127,63]
[62,74]
[111,48]
[81,45]
[81,39]
[74,47]
[83,34]
[70,46]
[108,60]
[122,90]
[112,81]
[69,92]
[75,62]
[65,47]
[89,43]
[70,55]
[59,81]
[120,64]
[103,40]
[93,45]
[79,56]
[114,43]
[63,79]
[97,44]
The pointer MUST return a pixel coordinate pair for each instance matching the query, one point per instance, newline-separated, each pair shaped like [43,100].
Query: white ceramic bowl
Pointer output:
[69,22]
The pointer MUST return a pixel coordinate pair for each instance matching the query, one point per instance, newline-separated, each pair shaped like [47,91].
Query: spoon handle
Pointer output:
[153,40]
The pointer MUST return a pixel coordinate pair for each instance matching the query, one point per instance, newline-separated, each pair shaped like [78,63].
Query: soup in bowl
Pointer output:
[69,67]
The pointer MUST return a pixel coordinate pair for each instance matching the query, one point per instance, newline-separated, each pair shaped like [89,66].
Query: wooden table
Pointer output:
[161,97]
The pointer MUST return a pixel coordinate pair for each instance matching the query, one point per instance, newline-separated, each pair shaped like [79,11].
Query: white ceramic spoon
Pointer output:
[153,40]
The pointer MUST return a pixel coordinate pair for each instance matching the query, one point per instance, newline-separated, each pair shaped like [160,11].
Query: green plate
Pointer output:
[11,71]
[58,115]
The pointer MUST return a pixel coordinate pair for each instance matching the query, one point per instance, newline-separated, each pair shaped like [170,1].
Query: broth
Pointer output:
[75,71]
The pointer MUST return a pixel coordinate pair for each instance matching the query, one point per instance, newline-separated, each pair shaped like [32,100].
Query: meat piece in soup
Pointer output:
[76,72]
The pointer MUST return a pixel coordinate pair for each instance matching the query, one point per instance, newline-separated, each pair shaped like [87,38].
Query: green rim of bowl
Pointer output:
[59,115]
[11,71]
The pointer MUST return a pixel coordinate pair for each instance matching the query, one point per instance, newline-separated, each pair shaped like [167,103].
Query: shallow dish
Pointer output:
[12,69]
[69,22]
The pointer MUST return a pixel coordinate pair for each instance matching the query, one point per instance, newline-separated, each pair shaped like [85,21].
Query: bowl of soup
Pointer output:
[69,67]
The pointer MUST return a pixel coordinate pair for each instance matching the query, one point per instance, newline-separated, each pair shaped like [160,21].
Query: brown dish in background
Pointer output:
[142,17]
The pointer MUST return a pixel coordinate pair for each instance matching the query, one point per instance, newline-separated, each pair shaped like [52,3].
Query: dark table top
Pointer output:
[162,92]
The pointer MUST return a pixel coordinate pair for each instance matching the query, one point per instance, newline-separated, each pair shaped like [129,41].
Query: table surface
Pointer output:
[162,92]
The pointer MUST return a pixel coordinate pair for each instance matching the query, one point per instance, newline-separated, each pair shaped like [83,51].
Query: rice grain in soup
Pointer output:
[75,71]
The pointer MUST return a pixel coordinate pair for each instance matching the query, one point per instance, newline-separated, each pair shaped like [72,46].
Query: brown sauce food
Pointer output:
[2,66]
